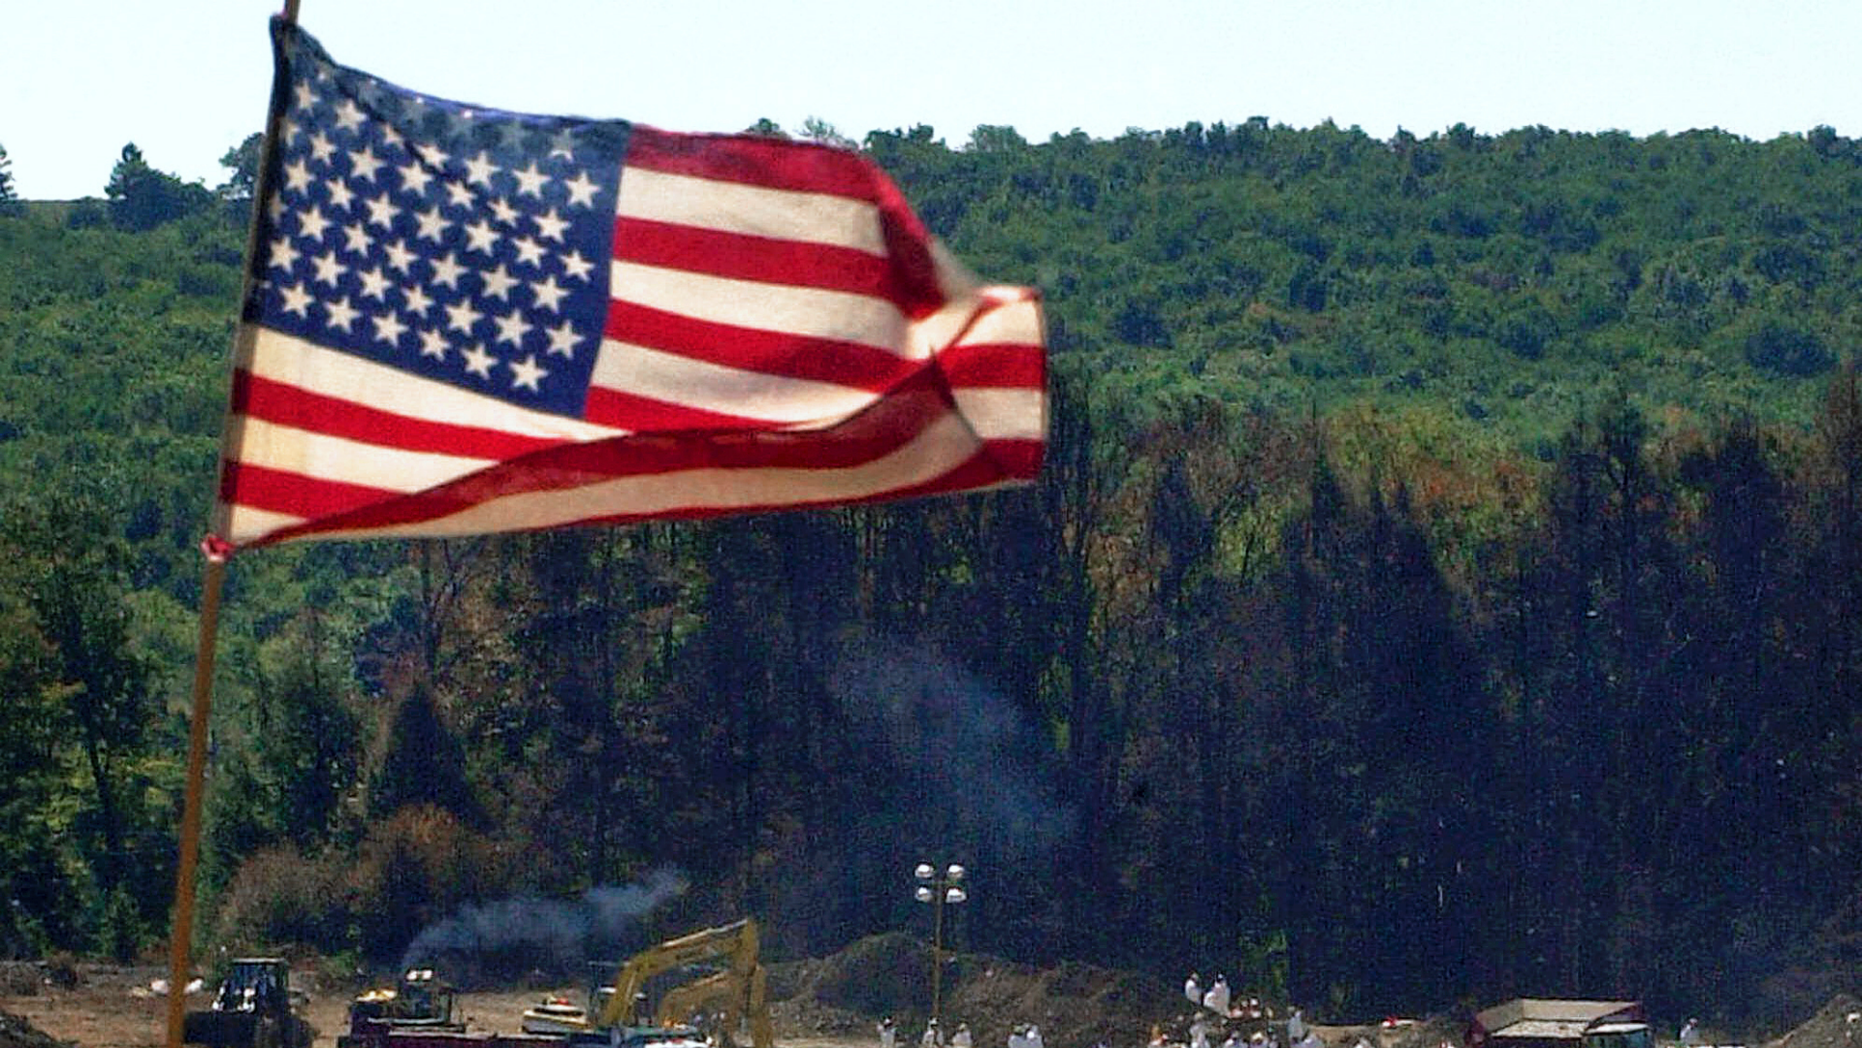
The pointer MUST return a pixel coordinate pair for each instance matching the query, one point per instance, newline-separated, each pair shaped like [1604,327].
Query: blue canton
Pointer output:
[461,244]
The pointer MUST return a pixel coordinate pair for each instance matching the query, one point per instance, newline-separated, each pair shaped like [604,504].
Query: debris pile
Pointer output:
[1832,1027]
[16,1032]
[890,975]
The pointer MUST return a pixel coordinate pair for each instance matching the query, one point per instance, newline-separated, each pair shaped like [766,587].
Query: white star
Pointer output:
[289,130]
[512,327]
[340,194]
[348,116]
[355,238]
[480,169]
[381,211]
[433,225]
[499,282]
[505,212]
[343,314]
[374,284]
[306,94]
[529,250]
[459,194]
[414,178]
[390,136]
[581,189]
[550,226]
[321,147]
[433,344]
[575,267]
[399,257]
[274,208]
[530,180]
[388,328]
[296,300]
[364,164]
[477,361]
[564,339]
[563,144]
[447,270]
[460,316]
[526,374]
[418,302]
[480,236]
[311,223]
[549,294]
[282,254]
[329,271]
[297,174]
[434,156]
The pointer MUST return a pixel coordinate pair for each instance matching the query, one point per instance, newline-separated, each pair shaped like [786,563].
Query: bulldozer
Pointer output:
[253,1008]
[737,993]
[420,1001]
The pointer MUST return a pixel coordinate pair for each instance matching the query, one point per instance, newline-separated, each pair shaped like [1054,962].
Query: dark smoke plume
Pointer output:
[515,936]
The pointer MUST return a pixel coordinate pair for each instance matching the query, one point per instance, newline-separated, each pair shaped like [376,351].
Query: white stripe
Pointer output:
[731,207]
[1013,323]
[331,373]
[1004,414]
[242,524]
[938,449]
[302,452]
[806,311]
[640,371]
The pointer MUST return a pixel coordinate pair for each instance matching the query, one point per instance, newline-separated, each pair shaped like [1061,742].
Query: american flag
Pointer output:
[464,320]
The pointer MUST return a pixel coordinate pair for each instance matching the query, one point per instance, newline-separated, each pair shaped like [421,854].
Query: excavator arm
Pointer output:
[735,943]
[739,995]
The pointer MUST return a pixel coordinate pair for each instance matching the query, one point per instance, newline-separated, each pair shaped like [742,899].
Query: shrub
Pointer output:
[416,867]
[278,896]
[1787,351]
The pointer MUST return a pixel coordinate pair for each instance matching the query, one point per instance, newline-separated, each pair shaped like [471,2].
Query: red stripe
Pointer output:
[872,434]
[994,366]
[769,162]
[612,407]
[286,405]
[908,244]
[755,349]
[259,487]
[766,259]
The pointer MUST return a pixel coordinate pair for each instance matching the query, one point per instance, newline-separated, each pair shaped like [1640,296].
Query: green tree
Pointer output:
[242,165]
[141,198]
[815,129]
[9,199]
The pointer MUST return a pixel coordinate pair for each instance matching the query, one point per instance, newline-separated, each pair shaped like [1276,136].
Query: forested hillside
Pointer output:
[1446,582]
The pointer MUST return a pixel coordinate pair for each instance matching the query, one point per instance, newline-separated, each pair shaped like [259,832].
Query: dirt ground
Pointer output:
[111,1007]
[825,1003]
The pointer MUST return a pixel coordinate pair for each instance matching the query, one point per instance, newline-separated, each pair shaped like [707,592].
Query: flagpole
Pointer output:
[190,817]
[180,939]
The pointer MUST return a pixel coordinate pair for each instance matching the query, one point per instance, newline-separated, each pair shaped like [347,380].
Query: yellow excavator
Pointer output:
[737,992]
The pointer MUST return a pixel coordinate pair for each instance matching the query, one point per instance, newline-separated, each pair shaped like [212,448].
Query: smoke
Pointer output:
[526,933]
[974,763]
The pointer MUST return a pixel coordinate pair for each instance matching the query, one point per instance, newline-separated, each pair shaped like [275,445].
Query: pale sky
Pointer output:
[188,79]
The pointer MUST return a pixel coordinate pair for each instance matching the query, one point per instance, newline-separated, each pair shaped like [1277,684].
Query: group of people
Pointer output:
[933,1037]
[1218,1000]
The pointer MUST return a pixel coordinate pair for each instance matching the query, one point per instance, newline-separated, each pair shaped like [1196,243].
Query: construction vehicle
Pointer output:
[254,1008]
[737,992]
[418,1002]
[1540,1022]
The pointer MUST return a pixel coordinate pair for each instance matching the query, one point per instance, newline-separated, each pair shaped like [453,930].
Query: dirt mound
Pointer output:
[1837,1024]
[16,1032]
[1074,1004]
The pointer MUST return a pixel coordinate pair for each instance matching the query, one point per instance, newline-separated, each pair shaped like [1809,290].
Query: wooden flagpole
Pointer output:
[182,933]
[180,939]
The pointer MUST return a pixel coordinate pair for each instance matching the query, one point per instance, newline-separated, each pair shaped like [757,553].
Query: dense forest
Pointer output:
[1445,583]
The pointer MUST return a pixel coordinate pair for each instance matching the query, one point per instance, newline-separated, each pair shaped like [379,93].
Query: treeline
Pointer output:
[1428,598]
